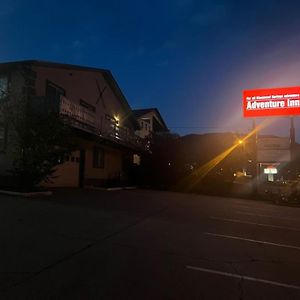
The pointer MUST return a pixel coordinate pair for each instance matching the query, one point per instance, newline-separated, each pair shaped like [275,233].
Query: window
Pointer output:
[98,158]
[3,86]
[136,159]
[53,91]
[87,105]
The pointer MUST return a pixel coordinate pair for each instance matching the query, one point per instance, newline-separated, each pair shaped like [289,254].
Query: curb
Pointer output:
[31,194]
[119,188]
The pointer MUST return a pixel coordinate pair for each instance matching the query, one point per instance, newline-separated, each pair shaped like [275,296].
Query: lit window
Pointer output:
[136,159]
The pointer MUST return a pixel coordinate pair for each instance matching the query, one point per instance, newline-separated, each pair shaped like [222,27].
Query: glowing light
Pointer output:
[117,119]
[198,174]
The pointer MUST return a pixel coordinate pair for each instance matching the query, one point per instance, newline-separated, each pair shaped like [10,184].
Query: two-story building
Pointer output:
[97,108]
[150,121]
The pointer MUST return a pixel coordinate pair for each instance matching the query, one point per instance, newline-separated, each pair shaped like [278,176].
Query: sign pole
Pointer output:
[292,132]
[254,160]
[292,144]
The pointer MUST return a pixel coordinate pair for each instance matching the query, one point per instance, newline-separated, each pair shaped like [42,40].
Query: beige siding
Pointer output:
[81,84]
[67,174]
[112,164]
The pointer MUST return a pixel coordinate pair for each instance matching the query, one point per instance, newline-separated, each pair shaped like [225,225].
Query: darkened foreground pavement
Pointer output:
[85,244]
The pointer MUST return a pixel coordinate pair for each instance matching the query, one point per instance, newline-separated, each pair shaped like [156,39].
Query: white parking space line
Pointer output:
[251,240]
[267,216]
[257,224]
[285,285]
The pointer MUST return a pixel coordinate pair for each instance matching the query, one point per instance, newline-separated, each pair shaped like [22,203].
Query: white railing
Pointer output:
[86,120]
[77,112]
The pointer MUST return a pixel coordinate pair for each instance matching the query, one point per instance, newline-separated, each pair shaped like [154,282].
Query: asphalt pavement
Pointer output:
[142,244]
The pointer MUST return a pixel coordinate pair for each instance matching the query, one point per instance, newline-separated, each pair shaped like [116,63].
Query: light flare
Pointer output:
[196,176]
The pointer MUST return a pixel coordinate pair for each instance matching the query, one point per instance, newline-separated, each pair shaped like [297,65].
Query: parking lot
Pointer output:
[142,244]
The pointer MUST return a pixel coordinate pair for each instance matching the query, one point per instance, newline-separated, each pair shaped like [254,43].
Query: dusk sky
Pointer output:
[190,59]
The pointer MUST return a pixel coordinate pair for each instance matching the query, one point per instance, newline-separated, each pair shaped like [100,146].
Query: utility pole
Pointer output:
[292,144]
[254,171]
[292,132]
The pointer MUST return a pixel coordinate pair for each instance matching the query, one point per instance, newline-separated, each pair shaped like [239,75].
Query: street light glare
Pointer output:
[240,142]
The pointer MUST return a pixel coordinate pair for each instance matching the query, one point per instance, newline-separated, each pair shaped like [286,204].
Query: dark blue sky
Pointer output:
[189,58]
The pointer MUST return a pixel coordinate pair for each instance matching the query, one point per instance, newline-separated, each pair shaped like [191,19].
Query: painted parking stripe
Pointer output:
[257,224]
[251,240]
[285,285]
[267,216]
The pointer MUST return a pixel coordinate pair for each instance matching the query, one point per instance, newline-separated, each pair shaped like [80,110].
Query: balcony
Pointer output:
[106,127]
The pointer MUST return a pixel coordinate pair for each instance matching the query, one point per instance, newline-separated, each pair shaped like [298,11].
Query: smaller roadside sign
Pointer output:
[269,143]
[272,155]
[270,171]
[273,149]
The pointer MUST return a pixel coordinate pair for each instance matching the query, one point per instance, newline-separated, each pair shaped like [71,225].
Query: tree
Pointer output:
[38,140]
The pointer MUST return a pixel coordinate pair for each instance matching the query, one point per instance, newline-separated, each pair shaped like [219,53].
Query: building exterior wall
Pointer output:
[146,127]
[111,169]
[146,130]
[66,174]
[80,84]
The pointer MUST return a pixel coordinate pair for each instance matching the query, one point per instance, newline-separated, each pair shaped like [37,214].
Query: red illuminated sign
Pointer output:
[271,102]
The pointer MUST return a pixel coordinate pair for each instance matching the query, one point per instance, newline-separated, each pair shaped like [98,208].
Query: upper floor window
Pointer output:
[3,86]
[53,91]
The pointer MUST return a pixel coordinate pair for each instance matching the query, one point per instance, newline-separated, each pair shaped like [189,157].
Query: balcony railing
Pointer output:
[108,128]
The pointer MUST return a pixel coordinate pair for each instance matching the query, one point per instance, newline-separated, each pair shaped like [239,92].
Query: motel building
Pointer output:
[100,115]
